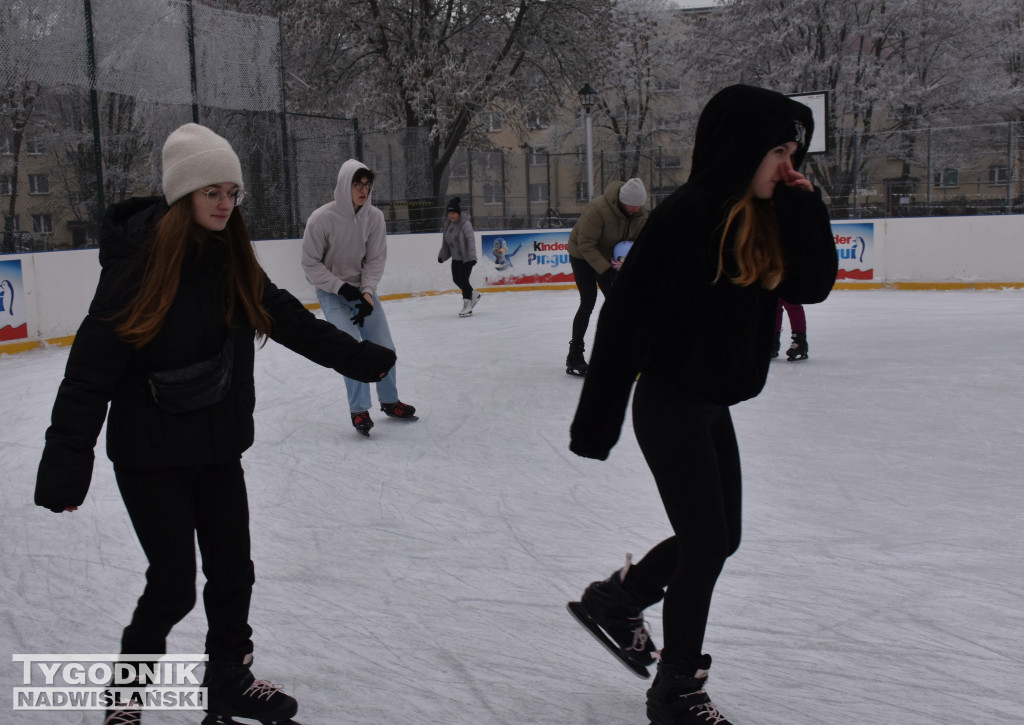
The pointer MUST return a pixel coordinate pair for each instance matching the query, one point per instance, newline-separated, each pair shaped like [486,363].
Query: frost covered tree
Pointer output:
[892,68]
[427,68]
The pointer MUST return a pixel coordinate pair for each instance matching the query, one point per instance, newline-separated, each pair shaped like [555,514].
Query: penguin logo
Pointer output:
[801,133]
[7,297]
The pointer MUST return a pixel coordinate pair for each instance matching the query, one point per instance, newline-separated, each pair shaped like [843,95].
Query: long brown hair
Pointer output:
[757,246]
[243,278]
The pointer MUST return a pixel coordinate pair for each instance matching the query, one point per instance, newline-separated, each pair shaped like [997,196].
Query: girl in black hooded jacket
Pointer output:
[169,344]
[691,317]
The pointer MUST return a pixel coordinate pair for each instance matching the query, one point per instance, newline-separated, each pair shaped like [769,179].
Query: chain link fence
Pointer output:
[91,88]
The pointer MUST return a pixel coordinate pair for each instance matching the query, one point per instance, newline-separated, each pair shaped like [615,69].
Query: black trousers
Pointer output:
[460,276]
[587,283]
[690,446]
[171,509]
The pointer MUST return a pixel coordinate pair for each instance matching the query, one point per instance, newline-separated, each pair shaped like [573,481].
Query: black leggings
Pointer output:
[460,276]
[170,509]
[587,283]
[690,446]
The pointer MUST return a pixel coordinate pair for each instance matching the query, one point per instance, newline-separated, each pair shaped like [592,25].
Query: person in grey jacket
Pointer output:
[458,243]
[344,248]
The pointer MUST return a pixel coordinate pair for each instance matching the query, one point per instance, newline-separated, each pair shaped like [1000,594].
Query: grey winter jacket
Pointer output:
[458,241]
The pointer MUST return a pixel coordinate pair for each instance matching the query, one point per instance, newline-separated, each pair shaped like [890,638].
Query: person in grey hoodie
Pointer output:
[344,248]
[458,243]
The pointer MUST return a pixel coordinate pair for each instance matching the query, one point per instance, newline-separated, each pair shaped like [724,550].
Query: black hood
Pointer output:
[127,225]
[737,127]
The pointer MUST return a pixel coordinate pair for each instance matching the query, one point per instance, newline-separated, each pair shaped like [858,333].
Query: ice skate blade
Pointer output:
[212,719]
[575,372]
[580,615]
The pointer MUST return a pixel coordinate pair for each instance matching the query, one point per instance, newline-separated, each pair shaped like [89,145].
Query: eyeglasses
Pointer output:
[216,196]
[360,185]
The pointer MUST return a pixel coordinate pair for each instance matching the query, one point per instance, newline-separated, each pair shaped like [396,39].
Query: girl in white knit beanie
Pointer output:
[169,344]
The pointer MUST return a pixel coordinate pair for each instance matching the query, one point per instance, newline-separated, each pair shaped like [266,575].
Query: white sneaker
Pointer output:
[467,308]
[476,298]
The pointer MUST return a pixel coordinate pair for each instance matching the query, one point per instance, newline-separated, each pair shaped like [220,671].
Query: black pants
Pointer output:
[171,509]
[460,276]
[587,283]
[690,446]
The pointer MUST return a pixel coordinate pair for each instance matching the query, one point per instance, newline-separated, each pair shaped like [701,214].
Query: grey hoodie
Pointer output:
[342,245]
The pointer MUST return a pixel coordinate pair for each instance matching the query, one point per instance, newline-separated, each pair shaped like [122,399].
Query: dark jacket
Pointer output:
[102,369]
[601,226]
[666,315]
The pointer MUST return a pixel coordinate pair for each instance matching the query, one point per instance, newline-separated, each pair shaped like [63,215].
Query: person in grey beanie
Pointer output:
[168,343]
[615,216]
[458,243]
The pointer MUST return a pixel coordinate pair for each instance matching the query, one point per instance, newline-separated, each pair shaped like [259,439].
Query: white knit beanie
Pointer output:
[633,193]
[194,157]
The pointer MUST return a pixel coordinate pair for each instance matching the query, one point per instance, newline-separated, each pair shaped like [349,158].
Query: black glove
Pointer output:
[365,309]
[607,278]
[470,263]
[439,259]
[349,292]
[370,364]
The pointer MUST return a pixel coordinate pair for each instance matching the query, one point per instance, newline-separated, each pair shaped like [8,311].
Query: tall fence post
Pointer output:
[94,105]
[1009,167]
[285,145]
[192,79]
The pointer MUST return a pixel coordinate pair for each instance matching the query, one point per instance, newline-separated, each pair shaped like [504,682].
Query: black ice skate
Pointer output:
[678,698]
[798,348]
[778,344]
[233,691]
[123,717]
[362,423]
[615,618]
[400,410]
[575,364]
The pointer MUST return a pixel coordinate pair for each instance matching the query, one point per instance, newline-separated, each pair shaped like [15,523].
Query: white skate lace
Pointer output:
[123,717]
[707,710]
[641,635]
[261,689]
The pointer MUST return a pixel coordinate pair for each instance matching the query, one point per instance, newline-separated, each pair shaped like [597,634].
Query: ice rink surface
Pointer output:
[420,577]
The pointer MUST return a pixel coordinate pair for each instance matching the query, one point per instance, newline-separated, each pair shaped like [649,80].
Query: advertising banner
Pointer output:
[514,258]
[855,245]
[13,310]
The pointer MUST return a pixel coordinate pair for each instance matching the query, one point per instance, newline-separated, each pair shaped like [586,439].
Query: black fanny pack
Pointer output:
[196,386]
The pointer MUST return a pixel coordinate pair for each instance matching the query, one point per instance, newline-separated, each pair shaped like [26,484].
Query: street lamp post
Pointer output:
[587,97]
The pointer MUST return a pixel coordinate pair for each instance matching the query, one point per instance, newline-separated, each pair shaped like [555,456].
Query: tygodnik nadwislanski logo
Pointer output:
[101,682]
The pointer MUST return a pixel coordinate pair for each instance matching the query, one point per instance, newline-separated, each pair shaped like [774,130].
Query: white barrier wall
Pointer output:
[56,287]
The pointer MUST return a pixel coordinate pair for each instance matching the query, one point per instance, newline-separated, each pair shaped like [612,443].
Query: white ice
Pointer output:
[420,577]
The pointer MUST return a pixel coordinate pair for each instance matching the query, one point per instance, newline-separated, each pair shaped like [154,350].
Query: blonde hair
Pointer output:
[142,319]
[757,243]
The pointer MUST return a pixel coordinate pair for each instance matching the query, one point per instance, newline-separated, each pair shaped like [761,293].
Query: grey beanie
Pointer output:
[633,193]
[194,157]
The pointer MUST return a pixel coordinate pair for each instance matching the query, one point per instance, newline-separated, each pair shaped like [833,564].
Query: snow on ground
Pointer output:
[421,576]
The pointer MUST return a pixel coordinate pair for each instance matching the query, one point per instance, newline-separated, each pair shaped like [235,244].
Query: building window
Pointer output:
[538,193]
[491,121]
[947,178]
[34,145]
[6,184]
[15,223]
[668,123]
[581,191]
[538,119]
[38,184]
[997,175]
[7,144]
[537,156]
[671,161]
[459,166]
[666,84]
[492,161]
[42,223]
[493,194]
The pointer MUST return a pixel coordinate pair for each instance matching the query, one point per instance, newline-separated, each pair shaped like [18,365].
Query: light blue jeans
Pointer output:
[338,311]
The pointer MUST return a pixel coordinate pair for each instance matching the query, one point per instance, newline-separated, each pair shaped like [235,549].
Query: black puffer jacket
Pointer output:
[666,315]
[104,369]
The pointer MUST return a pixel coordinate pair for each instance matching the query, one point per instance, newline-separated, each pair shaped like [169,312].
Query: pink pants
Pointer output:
[797,319]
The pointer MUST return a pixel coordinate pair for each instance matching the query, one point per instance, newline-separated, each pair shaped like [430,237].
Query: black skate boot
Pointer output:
[778,344]
[399,409]
[575,364]
[232,691]
[678,698]
[123,717]
[798,348]
[123,708]
[616,619]
[362,423]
